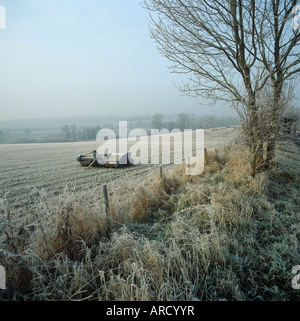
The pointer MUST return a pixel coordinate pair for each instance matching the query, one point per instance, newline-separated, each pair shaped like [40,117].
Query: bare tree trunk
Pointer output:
[254,141]
[274,135]
[284,64]
[260,156]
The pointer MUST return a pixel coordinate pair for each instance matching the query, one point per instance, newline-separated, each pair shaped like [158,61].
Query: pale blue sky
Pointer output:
[85,57]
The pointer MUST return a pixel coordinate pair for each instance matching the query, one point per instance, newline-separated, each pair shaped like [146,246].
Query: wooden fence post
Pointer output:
[105,193]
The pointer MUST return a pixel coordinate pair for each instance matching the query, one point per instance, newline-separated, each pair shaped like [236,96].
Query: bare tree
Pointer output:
[265,116]
[170,125]
[185,121]
[279,52]
[27,131]
[210,41]
[156,121]
[225,48]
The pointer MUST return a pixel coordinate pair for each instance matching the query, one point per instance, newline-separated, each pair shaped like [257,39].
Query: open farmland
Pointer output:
[221,235]
[53,167]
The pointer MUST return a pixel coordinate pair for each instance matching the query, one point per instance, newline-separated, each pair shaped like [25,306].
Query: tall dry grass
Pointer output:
[220,236]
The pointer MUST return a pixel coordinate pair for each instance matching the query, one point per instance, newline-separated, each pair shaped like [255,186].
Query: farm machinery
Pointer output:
[117,160]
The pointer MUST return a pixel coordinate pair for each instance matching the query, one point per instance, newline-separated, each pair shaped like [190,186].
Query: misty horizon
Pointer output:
[66,59]
[86,58]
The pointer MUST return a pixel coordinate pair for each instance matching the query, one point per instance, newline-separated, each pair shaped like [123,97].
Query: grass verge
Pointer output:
[219,236]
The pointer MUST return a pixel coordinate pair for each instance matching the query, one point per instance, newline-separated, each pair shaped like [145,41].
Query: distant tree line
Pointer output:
[189,121]
[70,133]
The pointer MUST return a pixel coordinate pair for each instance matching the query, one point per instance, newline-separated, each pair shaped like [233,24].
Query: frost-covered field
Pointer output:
[53,167]
[222,235]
